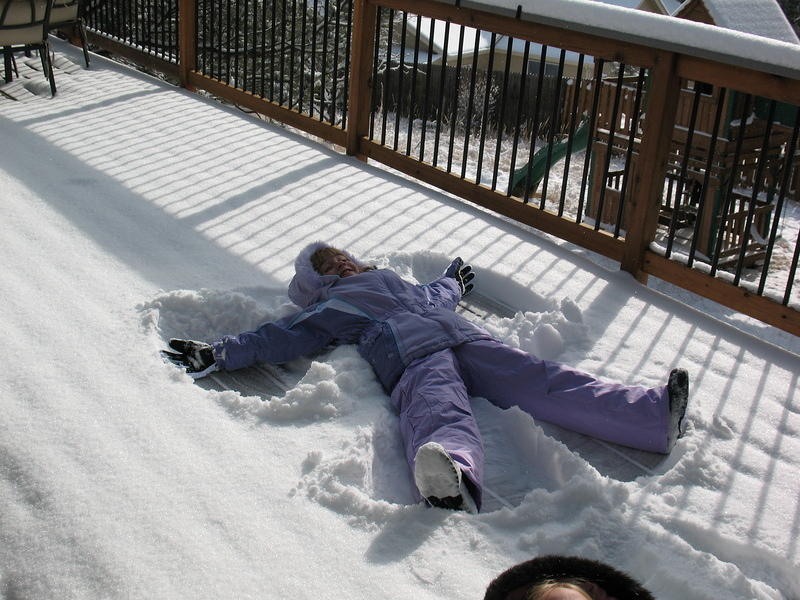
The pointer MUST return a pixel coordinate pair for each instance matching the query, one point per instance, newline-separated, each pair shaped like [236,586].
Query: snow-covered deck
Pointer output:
[132,210]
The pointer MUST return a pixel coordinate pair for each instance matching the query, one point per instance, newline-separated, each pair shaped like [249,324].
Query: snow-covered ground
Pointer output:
[132,211]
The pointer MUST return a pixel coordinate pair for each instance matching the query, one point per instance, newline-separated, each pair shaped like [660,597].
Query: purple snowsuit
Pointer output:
[430,360]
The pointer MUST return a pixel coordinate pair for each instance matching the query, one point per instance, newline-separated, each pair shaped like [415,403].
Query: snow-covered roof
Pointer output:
[484,39]
[670,6]
[535,51]
[622,3]
[759,17]
[439,29]
[733,47]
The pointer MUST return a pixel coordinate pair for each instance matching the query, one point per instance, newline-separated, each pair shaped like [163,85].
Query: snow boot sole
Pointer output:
[439,480]
[678,390]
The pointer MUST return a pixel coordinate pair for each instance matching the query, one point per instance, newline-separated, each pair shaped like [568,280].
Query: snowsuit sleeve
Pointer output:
[287,339]
[443,292]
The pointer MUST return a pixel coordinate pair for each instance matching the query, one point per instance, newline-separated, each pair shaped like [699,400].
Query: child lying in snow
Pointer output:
[430,360]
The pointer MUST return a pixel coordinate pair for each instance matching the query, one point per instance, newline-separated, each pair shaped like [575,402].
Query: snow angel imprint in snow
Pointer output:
[430,360]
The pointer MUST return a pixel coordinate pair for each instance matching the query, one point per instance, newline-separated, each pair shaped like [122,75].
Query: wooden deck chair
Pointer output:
[23,26]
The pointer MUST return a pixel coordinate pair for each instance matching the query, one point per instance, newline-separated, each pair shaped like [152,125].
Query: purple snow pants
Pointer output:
[432,398]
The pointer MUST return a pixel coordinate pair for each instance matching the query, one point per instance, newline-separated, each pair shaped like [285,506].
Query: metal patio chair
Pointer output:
[66,13]
[23,26]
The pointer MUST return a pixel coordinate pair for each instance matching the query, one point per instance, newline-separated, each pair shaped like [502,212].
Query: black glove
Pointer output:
[462,274]
[196,357]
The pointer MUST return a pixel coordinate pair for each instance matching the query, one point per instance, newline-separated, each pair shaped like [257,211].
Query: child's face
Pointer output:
[340,265]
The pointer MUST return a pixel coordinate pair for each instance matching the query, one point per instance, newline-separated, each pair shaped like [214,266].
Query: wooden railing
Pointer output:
[654,114]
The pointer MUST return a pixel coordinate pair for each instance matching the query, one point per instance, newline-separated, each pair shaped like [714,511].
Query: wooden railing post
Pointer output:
[187,40]
[642,216]
[361,83]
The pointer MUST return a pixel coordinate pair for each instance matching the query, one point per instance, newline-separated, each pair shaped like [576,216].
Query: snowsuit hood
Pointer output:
[307,286]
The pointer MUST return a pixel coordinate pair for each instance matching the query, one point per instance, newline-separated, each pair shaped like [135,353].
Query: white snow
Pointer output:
[759,17]
[132,211]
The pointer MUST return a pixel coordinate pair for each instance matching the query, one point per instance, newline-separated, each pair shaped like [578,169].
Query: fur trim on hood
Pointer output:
[517,581]
[307,286]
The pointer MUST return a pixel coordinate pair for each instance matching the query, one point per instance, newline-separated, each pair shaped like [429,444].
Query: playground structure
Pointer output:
[530,175]
[726,159]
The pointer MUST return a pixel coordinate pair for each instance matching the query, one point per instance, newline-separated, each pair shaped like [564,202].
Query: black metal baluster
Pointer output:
[796,256]
[709,167]
[400,66]
[501,117]
[534,130]
[486,99]
[146,25]
[273,35]
[626,172]
[263,51]
[259,46]
[348,39]
[387,76]
[169,31]
[151,24]
[440,106]
[203,29]
[784,187]
[687,150]
[729,199]
[130,15]
[163,19]
[144,20]
[456,84]
[120,29]
[245,42]
[213,42]
[292,66]
[792,272]
[228,45]
[335,83]
[470,102]
[598,83]
[157,19]
[256,60]
[612,133]
[523,86]
[282,55]
[374,94]
[413,95]
[573,122]
[301,90]
[757,183]
[313,60]
[160,12]
[124,22]
[555,119]
[426,103]
[324,74]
